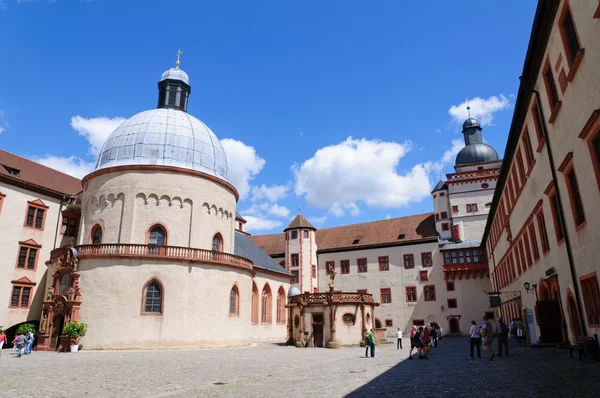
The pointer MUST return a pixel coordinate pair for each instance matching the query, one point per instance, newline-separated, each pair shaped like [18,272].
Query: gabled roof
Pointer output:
[34,176]
[375,233]
[245,247]
[300,222]
[238,216]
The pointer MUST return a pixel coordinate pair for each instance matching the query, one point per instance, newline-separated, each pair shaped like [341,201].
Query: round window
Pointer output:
[485,185]
[348,319]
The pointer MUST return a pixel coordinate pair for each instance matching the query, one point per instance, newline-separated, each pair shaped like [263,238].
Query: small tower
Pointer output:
[301,254]
[441,209]
[174,88]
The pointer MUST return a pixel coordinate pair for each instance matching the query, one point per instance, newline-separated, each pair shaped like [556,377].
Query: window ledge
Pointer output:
[546,252]
[530,169]
[554,113]
[150,314]
[560,242]
[575,65]
[541,145]
[581,226]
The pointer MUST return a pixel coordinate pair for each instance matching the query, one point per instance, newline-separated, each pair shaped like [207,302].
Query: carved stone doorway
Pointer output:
[317,329]
[57,330]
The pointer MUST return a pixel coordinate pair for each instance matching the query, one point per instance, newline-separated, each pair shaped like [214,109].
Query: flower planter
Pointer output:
[74,347]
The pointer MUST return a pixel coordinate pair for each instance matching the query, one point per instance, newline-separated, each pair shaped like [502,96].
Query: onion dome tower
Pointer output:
[475,151]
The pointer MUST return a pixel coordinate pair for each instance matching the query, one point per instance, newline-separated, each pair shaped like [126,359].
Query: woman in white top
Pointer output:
[475,339]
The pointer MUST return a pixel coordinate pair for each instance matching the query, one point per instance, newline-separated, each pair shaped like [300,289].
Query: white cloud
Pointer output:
[339,209]
[360,170]
[317,220]
[72,165]
[3,122]
[388,216]
[260,224]
[271,193]
[481,109]
[243,163]
[96,130]
[447,158]
[279,211]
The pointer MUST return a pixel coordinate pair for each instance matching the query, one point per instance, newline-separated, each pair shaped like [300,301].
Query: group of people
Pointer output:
[423,339]
[517,329]
[22,343]
[482,336]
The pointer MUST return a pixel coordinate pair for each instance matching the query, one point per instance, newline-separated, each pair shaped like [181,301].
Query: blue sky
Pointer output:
[349,110]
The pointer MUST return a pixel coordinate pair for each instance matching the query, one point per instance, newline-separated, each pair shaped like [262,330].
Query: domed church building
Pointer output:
[161,259]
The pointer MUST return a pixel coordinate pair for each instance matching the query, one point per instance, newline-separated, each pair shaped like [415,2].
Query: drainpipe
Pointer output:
[62,200]
[560,210]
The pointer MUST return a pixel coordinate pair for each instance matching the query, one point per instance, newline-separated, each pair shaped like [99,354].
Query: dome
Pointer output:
[166,137]
[476,153]
[175,74]
[293,291]
[470,122]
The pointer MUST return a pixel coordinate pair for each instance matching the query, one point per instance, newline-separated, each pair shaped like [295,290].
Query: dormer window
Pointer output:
[356,241]
[12,171]
[401,236]
[294,234]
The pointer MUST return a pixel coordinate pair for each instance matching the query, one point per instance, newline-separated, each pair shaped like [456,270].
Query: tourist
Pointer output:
[20,341]
[486,337]
[502,332]
[433,336]
[413,345]
[426,339]
[399,339]
[371,337]
[29,342]
[513,328]
[419,343]
[438,334]
[2,340]
[520,331]
[475,339]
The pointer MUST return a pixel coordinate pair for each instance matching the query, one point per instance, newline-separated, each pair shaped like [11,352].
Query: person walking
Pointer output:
[419,343]
[426,339]
[2,340]
[20,341]
[29,337]
[513,328]
[372,343]
[475,339]
[520,334]
[486,337]
[413,345]
[399,339]
[502,332]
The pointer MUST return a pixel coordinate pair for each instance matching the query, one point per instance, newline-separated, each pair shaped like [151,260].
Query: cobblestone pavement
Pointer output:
[268,369]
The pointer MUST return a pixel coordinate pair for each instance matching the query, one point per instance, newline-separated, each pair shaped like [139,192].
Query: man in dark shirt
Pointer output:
[20,341]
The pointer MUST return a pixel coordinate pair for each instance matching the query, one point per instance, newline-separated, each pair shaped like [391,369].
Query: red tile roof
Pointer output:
[383,232]
[35,176]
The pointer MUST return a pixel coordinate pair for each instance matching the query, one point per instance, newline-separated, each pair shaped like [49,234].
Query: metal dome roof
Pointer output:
[293,291]
[470,122]
[476,153]
[167,137]
[175,74]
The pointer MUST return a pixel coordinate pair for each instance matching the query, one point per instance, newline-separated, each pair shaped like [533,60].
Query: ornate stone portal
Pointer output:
[62,301]
[320,310]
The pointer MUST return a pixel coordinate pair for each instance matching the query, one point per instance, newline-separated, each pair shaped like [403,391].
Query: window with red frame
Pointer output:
[537,122]
[361,265]
[389,323]
[35,217]
[449,286]
[305,234]
[27,257]
[345,266]
[591,298]
[472,208]
[282,263]
[295,277]
[534,245]
[521,167]
[429,292]
[551,90]
[543,234]
[444,215]
[314,271]
[386,295]
[294,234]
[328,266]
[569,35]
[575,196]
[384,263]
[442,194]
[437,216]
[452,303]
[528,149]
[411,294]
[69,225]
[445,226]
[423,276]
[454,209]
[418,322]
[558,222]
[409,261]
[294,260]
[20,296]
[426,259]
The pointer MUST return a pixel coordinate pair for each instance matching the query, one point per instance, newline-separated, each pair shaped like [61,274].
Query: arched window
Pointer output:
[97,235]
[217,243]
[234,301]
[254,303]
[266,305]
[64,284]
[153,297]
[281,305]
[157,236]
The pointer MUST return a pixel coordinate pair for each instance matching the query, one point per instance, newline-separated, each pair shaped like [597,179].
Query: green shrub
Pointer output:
[75,329]
[26,327]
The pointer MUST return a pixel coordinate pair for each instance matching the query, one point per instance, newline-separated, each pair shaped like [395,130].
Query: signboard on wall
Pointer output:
[530,321]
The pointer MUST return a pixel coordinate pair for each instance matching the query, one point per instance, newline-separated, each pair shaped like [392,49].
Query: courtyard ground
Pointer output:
[271,370]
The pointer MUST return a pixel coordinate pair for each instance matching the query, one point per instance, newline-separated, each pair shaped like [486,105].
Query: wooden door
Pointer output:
[454,326]
[549,317]
[57,329]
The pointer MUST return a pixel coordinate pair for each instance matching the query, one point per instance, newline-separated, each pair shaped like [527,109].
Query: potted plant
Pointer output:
[75,330]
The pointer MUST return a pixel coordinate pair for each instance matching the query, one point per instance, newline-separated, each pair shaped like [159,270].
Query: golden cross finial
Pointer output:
[468,107]
[179,52]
